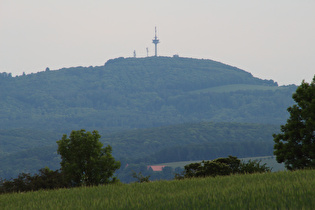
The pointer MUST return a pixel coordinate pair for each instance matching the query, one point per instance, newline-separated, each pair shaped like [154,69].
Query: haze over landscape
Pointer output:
[270,39]
[219,114]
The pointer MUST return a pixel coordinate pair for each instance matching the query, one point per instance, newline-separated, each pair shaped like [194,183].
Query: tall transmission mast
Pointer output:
[155,41]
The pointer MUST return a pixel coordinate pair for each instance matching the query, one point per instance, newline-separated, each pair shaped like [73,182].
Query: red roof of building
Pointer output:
[156,168]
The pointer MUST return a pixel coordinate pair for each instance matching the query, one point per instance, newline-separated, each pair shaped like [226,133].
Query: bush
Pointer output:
[222,167]
[46,179]
[253,167]
[140,178]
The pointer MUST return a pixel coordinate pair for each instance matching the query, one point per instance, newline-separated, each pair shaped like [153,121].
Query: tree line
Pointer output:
[183,142]
[222,167]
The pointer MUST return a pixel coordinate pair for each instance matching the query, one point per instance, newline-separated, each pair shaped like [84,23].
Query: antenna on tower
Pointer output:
[147,52]
[134,54]
[155,41]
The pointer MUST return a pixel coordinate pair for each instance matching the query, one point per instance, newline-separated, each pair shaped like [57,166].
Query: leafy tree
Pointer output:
[220,166]
[48,179]
[295,146]
[232,162]
[84,161]
[140,178]
[253,166]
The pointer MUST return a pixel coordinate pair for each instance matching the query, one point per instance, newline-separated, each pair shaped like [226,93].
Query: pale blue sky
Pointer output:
[272,39]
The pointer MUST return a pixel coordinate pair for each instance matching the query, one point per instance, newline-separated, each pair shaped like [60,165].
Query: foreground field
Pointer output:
[281,190]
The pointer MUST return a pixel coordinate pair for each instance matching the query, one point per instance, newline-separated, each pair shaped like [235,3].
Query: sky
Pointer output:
[271,39]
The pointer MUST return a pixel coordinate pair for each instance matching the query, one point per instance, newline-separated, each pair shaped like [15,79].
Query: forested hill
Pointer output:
[27,151]
[139,92]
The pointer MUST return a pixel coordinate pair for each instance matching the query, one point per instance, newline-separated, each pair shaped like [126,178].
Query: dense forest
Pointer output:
[141,147]
[150,110]
[137,93]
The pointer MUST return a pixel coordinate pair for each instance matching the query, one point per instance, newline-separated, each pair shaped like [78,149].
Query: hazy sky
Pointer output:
[272,39]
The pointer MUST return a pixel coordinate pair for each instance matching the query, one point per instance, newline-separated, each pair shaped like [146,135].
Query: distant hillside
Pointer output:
[193,141]
[138,93]
[189,141]
[136,103]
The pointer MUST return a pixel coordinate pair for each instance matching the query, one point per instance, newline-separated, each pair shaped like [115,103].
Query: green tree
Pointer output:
[295,146]
[84,161]
[140,178]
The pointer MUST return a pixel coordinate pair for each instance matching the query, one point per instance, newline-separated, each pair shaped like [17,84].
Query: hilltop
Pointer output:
[129,93]
[137,105]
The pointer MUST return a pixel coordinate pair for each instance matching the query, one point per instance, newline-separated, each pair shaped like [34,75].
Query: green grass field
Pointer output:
[280,190]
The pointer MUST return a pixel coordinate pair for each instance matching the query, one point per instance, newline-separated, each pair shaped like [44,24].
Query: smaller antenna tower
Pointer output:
[134,54]
[147,52]
[155,41]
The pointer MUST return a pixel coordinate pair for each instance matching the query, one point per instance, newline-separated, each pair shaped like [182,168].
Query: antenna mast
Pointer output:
[155,41]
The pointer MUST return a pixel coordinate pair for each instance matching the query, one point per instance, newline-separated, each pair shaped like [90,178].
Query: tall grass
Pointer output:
[281,190]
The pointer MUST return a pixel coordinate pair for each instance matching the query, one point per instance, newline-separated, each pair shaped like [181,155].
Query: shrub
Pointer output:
[222,167]
[46,179]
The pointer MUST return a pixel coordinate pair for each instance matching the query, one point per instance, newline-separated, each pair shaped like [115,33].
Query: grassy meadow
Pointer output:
[279,190]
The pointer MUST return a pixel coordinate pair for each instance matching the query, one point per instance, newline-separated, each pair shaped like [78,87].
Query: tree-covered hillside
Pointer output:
[136,93]
[189,141]
[127,95]
[192,141]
